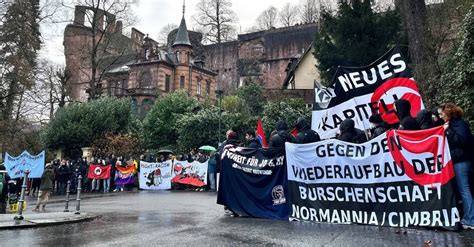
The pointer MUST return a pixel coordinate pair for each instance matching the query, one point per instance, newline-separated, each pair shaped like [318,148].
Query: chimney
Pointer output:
[79,13]
[118,27]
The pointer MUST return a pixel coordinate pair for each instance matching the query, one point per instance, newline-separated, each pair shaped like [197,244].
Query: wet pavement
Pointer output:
[193,218]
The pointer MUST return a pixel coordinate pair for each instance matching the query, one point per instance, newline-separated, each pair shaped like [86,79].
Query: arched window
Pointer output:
[199,87]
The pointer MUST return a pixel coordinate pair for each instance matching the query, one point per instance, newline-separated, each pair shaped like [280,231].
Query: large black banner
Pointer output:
[358,92]
[253,182]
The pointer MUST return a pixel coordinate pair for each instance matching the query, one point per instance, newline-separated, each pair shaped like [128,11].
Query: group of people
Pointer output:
[449,115]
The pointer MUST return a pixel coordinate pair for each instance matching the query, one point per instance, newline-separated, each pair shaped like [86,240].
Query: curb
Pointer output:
[21,224]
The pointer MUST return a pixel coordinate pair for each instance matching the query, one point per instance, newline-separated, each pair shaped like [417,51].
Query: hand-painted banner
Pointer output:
[124,175]
[399,179]
[356,93]
[155,176]
[25,161]
[99,171]
[253,183]
[191,173]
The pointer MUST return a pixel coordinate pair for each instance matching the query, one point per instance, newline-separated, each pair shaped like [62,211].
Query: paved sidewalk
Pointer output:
[42,219]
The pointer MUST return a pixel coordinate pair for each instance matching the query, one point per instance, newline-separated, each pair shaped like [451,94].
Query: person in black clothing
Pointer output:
[461,145]
[252,141]
[437,120]
[379,126]
[282,135]
[351,134]
[407,122]
[424,119]
[64,174]
[232,140]
[4,192]
[305,133]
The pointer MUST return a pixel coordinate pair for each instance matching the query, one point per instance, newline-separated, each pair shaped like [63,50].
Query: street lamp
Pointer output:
[219,94]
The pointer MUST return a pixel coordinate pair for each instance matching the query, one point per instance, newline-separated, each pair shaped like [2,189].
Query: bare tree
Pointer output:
[309,11]
[164,32]
[104,43]
[267,19]
[217,18]
[288,15]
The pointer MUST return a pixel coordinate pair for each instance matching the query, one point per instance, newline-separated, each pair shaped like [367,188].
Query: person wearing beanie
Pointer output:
[45,187]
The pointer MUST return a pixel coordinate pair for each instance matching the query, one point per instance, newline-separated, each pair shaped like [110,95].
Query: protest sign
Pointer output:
[155,176]
[253,183]
[398,179]
[25,161]
[357,93]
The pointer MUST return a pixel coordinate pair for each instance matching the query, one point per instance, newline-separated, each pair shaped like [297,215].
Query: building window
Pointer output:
[167,83]
[199,88]
[145,79]
[125,84]
[181,82]
[118,88]
[110,86]
[208,88]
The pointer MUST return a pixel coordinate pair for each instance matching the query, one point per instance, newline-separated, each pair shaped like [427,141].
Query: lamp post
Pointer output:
[219,94]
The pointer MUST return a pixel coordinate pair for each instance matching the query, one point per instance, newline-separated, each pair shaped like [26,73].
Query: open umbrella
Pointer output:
[164,151]
[207,148]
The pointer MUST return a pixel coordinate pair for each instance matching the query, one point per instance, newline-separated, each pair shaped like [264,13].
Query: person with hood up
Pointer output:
[252,141]
[281,136]
[305,133]
[460,142]
[379,126]
[349,133]
[424,119]
[407,122]
[46,187]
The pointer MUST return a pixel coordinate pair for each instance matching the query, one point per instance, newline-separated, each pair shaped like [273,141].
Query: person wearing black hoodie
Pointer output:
[379,126]
[305,133]
[424,119]
[351,134]
[232,140]
[460,142]
[407,122]
[281,136]
[252,141]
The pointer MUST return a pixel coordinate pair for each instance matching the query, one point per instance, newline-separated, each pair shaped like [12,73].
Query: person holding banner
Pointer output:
[252,141]
[349,133]
[403,110]
[460,142]
[281,135]
[305,133]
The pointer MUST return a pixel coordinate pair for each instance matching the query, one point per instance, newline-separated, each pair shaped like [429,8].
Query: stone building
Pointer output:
[134,66]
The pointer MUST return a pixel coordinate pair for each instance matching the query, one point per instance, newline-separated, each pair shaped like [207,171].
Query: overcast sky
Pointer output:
[153,15]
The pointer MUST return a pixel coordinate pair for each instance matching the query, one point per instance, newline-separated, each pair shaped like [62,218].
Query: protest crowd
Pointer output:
[396,172]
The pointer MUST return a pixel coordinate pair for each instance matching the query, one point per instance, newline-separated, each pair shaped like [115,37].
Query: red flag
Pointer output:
[294,132]
[261,134]
[99,172]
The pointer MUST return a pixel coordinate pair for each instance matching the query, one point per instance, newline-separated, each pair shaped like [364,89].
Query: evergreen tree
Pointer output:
[354,36]
[19,45]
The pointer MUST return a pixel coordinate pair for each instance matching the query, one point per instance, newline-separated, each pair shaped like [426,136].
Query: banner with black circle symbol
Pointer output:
[399,179]
[253,182]
[357,93]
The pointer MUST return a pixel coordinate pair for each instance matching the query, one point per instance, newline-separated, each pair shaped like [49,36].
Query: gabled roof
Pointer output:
[182,37]
[293,66]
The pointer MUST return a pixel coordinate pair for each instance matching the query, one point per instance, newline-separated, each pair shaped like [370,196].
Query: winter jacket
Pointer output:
[283,135]
[351,134]
[227,143]
[6,178]
[305,133]
[407,122]
[212,163]
[64,173]
[379,129]
[424,120]
[47,179]
[460,140]
[254,143]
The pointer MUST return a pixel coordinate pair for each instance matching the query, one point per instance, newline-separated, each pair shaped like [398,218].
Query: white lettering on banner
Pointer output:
[353,79]
[416,193]
[443,217]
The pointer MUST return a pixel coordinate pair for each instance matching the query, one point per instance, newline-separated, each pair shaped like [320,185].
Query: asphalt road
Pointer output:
[193,218]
